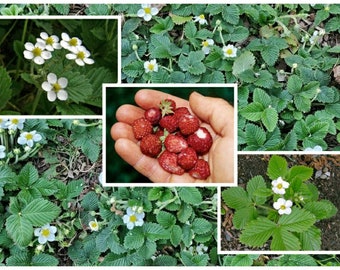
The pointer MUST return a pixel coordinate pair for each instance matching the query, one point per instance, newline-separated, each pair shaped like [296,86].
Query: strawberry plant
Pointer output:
[284,214]
[49,68]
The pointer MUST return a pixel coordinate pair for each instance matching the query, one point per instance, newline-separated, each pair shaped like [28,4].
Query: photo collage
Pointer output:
[195,134]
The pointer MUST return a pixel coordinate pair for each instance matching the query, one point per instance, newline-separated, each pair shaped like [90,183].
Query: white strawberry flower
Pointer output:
[133,217]
[146,12]
[70,43]
[45,233]
[200,19]
[279,186]
[151,66]
[36,52]
[283,206]
[55,87]
[81,56]
[51,42]
[29,138]
[229,51]
[206,45]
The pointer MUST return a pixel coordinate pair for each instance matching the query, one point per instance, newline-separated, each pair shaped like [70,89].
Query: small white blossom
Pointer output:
[29,138]
[51,42]
[146,12]
[200,19]
[3,122]
[69,43]
[45,233]
[132,218]
[151,66]
[229,51]
[314,38]
[55,87]
[279,186]
[316,148]
[2,151]
[201,249]
[36,52]
[283,206]
[94,226]
[206,45]
[15,123]
[81,56]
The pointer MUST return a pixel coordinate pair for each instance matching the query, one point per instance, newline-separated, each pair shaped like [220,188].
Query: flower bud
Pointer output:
[134,47]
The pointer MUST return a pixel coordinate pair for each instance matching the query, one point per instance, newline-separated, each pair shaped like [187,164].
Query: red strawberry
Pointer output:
[168,161]
[167,106]
[175,144]
[188,124]
[187,158]
[153,115]
[141,127]
[201,141]
[151,145]
[181,111]
[169,122]
[200,170]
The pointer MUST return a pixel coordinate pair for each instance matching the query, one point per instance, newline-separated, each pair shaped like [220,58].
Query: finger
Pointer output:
[147,98]
[215,111]
[122,130]
[130,152]
[128,113]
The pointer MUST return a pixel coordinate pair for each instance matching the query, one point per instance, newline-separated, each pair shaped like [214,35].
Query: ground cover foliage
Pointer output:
[261,67]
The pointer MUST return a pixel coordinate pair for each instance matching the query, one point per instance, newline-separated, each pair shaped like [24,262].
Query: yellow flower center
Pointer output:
[202,17]
[81,55]
[49,41]
[29,136]
[133,218]
[283,207]
[147,10]
[205,43]
[279,186]
[94,225]
[73,42]
[37,51]
[229,51]
[15,121]
[56,87]
[151,66]
[45,232]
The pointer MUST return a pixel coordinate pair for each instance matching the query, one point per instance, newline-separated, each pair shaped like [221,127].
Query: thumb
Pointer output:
[217,112]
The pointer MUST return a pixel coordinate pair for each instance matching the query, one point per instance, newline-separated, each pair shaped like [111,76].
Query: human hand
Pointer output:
[217,116]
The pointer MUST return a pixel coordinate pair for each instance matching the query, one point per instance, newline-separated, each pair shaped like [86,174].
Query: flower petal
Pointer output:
[62,82]
[51,96]
[29,46]
[46,86]
[39,60]
[62,95]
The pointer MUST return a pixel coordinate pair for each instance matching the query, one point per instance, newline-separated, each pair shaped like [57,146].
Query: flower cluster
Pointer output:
[13,136]
[283,206]
[42,50]
[134,217]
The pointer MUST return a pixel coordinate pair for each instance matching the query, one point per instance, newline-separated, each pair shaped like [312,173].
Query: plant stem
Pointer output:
[36,101]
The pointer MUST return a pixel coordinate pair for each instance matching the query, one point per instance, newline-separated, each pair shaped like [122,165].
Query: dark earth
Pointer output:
[326,178]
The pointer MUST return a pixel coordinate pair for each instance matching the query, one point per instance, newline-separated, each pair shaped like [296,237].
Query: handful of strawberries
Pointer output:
[174,136]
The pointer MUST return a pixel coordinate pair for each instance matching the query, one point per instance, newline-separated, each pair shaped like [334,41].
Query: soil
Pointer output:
[326,178]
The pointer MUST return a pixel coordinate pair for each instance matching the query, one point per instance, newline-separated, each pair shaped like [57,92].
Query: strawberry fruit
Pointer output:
[153,115]
[187,158]
[175,144]
[141,127]
[169,122]
[151,145]
[201,141]
[168,161]
[200,170]
[188,124]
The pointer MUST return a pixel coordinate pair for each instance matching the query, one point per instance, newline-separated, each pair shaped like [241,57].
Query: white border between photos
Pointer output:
[107,85]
